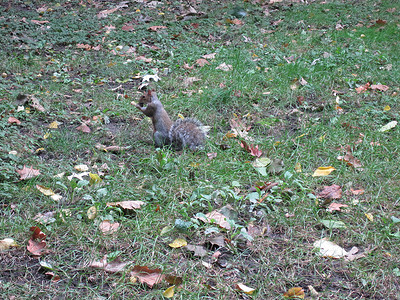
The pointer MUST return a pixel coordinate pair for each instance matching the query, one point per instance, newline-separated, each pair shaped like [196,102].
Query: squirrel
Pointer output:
[182,133]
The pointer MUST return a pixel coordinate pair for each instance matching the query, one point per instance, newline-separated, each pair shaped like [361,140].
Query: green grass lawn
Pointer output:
[310,84]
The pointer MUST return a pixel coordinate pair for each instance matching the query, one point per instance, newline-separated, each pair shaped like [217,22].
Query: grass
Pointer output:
[291,63]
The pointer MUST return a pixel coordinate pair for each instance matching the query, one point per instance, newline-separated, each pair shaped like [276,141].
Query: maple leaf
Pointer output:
[27,173]
[253,150]
[335,207]
[147,276]
[37,248]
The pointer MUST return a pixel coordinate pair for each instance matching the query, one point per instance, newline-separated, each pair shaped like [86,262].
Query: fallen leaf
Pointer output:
[209,56]
[369,216]
[253,150]
[48,192]
[27,173]
[297,167]
[169,292]
[37,22]
[245,289]
[331,224]
[7,243]
[218,240]
[53,125]
[81,168]
[156,28]
[198,250]
[84,128]
[388,126]
[178,243]
[216,217]
[12,120]
[106,227]
[336,207]
[295,293]
[235,21]
[261,162]
[331,192]
[37,233]
[379,87]
[91,212]
[323,171]
[83,46]
[46,218]
[212,155]
[112,148]
[36,104]
[147,276]
[187,67]
[363,88]
[224,67]
[37,248]
[202,62]
[126,204]
[350,159]
[189,81]
[327,248]
[128,27]
[112,267]
[357,192]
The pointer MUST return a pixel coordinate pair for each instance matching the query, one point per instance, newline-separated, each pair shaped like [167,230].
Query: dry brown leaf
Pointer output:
[379,87]
[147,276]
[216,217]
[12,120]
[37,248]
[202,62]
[189,81]
[156,28]
[336,207]
[36,104]
[126,204]
[357,192]
[106,227]
[295,293]
[224,67]
[37,22]
[84,128]
[27,173]
[331,192]
[212,155]
[209,56]
[187,67]
[112,267]
[363,88]
[198,250]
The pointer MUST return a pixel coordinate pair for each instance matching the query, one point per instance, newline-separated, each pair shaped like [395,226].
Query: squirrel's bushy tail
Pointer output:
[187,132]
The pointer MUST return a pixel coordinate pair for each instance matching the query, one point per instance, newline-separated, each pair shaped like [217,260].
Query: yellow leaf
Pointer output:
[386,108]
[245,289]
[295,293]
[322,138]
[94,178]
[194,165]
[181,116]
[369,217]
[91,213]
[276,143]
[297,167]
[323,171]
[44,190]
[39,149]
[54,125]
[178,243]
[47,135]
[169,292]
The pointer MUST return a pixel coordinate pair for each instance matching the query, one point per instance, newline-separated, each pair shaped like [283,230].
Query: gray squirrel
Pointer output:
[182,133]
